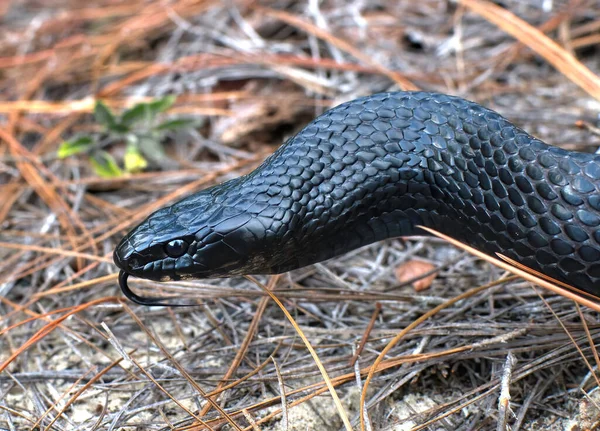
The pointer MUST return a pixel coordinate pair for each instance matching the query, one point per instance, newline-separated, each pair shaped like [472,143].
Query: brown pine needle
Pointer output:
[530,36]
[525,274]
[592,344]
[47,329]
[560,322]
[179,368]
[414,324]
[334,395]
[365,337]
[241,352]
[58,251]
[402,82]
[93,282]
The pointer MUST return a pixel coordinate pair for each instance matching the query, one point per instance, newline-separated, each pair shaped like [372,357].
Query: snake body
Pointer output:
[378,167]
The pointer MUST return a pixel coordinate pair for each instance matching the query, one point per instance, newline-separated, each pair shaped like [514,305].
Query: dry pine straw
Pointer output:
[76,356]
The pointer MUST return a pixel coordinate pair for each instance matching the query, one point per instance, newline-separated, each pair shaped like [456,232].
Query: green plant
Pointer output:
[138,127]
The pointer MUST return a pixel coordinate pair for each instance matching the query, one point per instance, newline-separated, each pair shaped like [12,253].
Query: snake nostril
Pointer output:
[134,262]
[125,257]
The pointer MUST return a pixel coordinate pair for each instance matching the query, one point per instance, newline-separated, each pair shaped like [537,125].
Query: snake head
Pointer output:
[156,249]
[207,235]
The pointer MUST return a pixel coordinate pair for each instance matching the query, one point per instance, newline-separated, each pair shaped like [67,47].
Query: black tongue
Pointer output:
[144,300]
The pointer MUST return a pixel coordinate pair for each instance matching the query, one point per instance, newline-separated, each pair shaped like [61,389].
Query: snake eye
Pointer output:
[176,248]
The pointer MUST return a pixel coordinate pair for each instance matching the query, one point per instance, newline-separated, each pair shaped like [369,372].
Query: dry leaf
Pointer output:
[414,269]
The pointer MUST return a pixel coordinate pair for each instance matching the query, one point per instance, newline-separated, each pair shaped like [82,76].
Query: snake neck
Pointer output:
[378,167]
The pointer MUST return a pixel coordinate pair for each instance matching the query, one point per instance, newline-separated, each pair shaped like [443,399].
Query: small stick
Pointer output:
[363,340]
[504,400]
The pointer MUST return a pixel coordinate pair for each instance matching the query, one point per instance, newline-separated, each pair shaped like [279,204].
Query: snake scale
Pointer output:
[374,168]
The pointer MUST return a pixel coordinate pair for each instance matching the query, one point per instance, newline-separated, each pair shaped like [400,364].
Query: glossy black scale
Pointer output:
[374,168]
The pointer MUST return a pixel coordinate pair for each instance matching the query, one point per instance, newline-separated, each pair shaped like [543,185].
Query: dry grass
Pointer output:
[477,351]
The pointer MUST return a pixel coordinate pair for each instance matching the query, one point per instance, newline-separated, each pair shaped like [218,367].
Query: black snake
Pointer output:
[374,168]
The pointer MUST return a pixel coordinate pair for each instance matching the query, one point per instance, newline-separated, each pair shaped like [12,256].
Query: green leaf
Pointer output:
[136,113]
[103,114]
[181,123]
[134,161]
[105,165]
[162,104]
[151,147]
[119,128]
[146,111]
[74,146]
